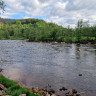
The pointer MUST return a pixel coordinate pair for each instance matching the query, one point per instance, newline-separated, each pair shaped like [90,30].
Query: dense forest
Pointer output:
[39,30]
[8,21]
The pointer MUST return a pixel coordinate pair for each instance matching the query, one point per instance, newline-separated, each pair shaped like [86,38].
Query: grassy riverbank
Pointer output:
[14,89]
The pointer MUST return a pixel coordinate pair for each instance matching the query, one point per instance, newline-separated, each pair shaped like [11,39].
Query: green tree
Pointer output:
[2,5]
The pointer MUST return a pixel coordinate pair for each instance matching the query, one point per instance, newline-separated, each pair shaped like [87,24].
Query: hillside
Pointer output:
[7,21]
[40,30]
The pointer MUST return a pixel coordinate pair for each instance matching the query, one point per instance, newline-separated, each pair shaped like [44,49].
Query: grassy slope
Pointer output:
[14,89]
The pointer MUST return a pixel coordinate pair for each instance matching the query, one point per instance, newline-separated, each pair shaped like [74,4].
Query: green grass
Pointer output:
[14,89]
[16,38]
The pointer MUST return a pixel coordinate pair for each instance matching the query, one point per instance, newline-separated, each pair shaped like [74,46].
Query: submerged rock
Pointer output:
[49,85]
[74,91]
[1,69]
[80,74]
[69,95]
[62,42]
[78,95]
[78,49]
[63,89]
[54,42]
[51,91]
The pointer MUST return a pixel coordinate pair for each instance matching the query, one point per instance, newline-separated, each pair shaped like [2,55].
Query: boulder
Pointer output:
[63,89]
[1,93]
[69,95]
[51,91]
[74,91]
[62,42]
[80,74]
[2,87]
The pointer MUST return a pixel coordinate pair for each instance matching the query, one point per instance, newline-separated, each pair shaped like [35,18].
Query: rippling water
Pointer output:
[39,64]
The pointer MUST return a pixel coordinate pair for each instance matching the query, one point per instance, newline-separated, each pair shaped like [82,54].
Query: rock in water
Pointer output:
[1,69]
[63,89]
[74,91]
[51,91]
[69,95]
[78,95]
[80,74]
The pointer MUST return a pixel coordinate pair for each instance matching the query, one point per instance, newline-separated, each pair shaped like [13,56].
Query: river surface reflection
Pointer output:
[38,64]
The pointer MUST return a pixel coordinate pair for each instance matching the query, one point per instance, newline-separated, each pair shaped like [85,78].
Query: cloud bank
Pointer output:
[62,12]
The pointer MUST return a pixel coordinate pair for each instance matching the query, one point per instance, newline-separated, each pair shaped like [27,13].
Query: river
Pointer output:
[39,64]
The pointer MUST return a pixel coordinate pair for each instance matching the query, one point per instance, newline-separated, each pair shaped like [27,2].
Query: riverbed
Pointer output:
[58,65]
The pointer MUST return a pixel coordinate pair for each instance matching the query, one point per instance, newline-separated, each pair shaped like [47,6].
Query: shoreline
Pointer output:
[12,86]
[57,42]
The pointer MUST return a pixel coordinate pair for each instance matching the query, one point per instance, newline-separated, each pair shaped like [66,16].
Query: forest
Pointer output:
[39,30]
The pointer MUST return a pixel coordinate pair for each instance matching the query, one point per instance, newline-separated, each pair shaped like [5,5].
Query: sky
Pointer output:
[61,12]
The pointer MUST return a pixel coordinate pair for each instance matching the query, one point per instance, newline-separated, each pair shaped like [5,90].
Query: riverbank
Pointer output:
[56,42]
[12,88]
[75,42]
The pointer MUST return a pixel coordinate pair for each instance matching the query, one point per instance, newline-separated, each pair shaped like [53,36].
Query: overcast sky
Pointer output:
[62,12]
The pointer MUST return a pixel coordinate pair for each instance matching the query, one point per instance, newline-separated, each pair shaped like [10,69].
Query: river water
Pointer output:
[39,64]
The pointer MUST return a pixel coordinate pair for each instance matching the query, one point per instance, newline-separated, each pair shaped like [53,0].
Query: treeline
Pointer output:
[39,30]
[7,21]
[23,21]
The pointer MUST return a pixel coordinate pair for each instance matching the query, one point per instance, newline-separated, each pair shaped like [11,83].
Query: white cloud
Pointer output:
[62,12]
[79,4]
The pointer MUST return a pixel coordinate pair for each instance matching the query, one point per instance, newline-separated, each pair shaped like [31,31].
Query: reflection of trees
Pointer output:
[77,51]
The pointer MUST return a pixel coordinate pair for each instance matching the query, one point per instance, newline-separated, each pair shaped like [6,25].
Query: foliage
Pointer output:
[39,30]
[2,5]
[7,21]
